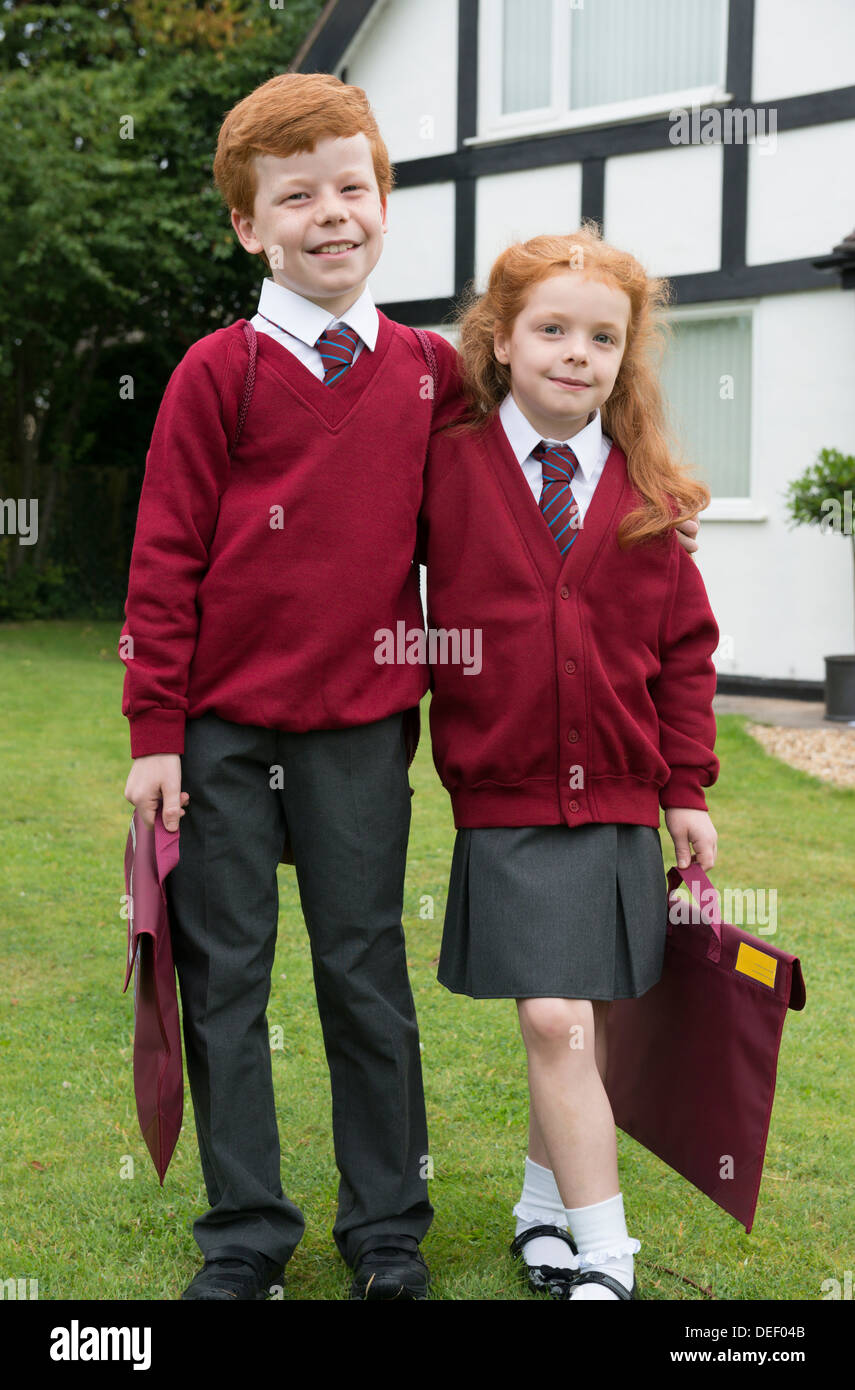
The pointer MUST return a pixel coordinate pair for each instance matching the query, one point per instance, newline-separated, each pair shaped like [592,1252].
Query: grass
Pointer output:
[76,1221]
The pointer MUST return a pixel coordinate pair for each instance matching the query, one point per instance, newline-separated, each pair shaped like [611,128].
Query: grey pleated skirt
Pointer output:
[552,911]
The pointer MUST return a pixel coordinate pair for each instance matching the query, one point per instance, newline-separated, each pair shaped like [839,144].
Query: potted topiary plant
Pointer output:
[823,496]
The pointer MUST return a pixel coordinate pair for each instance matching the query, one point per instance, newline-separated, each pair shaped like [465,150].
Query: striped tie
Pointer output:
[557,503]
[336,346]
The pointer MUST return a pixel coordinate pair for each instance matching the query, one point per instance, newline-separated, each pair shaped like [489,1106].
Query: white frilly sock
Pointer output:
[540,1204]
[603,1243]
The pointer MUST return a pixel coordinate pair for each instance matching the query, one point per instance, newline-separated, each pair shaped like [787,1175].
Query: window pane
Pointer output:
[526,55]
[621,49]
[707,385]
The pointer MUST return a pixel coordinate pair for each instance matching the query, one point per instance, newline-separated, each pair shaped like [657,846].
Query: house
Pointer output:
[715,139]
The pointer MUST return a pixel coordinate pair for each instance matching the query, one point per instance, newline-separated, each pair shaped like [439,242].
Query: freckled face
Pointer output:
[565,350]
[320,219]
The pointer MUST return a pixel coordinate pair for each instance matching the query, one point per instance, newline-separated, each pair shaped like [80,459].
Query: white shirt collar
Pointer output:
[307,321]
[523,437]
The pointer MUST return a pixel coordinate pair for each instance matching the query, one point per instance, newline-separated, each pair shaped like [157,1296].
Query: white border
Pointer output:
[731,508]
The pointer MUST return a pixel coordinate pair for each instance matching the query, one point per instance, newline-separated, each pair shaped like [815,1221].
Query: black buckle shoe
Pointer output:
[546,1278]
[389,1267]
[234,1271]
[597,1276]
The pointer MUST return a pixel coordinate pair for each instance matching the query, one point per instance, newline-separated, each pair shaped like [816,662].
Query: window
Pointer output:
[526,55]
[620,49]
[706,378]
[555,64]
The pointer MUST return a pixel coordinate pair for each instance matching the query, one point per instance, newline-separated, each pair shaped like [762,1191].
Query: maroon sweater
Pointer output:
[256,586]
[594,698]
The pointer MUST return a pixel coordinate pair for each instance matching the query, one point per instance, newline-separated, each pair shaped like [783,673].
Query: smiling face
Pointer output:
[565,350]
[322,208]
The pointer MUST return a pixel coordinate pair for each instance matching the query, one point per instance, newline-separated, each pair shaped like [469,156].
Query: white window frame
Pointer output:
[731,508]
[494,126]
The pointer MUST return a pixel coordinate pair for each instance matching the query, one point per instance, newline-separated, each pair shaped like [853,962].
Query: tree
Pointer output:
[114,243]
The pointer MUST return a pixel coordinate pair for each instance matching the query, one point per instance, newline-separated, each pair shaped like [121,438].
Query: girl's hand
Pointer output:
[687,827]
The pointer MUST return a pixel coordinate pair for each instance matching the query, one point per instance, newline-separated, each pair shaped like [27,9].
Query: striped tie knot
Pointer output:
[558,505]
[336,346]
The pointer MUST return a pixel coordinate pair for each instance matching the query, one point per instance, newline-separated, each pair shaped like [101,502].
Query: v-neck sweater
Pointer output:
[257,584]
[593,702]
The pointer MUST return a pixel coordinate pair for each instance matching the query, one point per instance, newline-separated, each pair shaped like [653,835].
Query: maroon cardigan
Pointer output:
[594,698]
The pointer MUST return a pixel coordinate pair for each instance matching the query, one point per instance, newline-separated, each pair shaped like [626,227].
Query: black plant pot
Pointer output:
[840,688]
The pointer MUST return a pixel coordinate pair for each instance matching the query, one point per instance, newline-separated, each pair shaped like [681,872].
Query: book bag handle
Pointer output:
[706,897]
[249,383]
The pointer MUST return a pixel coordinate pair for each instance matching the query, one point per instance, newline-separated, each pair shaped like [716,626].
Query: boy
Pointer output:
[254,596]
[256,589]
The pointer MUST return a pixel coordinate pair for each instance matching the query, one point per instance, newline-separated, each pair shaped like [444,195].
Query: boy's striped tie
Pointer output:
[336,346]
[557,503]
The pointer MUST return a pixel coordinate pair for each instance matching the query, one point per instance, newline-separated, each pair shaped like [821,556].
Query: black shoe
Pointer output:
[596,1276]
[389,1267]
[544,1278]
[233,1271]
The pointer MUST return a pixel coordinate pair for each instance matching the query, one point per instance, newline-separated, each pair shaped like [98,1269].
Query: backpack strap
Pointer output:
[412,717]
[430,358]
[252,346]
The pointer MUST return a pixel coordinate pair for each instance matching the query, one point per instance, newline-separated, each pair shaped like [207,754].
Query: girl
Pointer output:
[548,523]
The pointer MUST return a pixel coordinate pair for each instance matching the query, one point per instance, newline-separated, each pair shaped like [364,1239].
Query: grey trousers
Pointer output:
[344,794]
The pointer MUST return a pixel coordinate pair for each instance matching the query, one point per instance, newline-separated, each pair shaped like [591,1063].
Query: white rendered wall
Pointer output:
[800,48]
[665,207]
[405,59]
[785,597]
[515,207]
[801,192]
[418,253]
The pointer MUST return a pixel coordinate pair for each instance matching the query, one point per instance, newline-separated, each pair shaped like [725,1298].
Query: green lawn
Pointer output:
[72,1221]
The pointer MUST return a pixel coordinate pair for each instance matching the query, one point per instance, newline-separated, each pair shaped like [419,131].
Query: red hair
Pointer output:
[287,115]
[634,414]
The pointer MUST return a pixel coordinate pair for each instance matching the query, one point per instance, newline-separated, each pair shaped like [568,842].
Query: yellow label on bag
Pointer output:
[757,964]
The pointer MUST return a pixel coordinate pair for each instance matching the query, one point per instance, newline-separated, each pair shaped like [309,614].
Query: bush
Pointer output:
[30,593]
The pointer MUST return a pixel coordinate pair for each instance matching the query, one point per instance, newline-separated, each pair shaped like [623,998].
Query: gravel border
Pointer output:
[828,754]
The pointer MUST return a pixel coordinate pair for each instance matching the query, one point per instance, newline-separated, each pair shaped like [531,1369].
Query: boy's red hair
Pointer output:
[287,115]
[634,414]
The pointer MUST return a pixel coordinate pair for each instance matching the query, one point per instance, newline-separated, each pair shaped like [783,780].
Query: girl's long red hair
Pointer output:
[634,414]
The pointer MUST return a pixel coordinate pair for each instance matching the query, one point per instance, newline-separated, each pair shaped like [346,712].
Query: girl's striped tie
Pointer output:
[557,503]
[336,346]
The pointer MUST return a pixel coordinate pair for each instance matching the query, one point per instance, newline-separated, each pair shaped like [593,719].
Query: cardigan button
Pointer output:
[565,592]
[573,736]
[572,805]
[569,667]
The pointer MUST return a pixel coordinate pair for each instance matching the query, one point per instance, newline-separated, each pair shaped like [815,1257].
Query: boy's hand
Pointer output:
[686,531]
[155,776]
[687,827]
